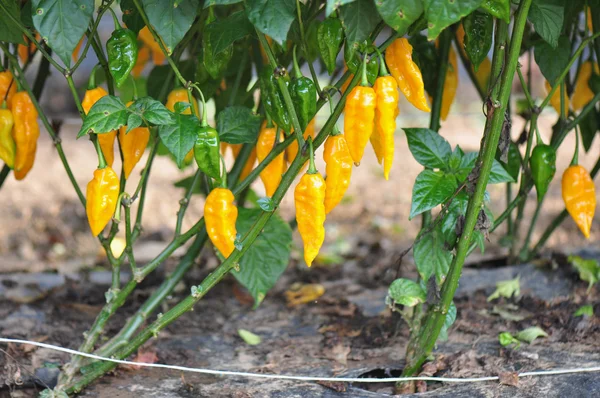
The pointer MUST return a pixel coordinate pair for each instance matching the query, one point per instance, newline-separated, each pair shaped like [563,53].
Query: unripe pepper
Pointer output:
[25,132]
[7,84]
[106,140]
[309,198]
[133,144]
[579,195]
[122,51]
[398,57]
[273,99]
[101,198]
[555,99]
[582,94]
[7,143]
[543,166]
[271,175]
[206,149]
[304,96]
[338,170]
[330,35]
[220,215]
[450,84]
[359,117]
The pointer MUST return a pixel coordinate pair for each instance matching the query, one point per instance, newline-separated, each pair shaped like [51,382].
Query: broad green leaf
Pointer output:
[61,23]
[431,188]
[180,136]
[530,334]
[224,32]
[498,8]
[108,114]
[330,36]
[26,14]
[359,18]
[133,121]
[400,14]
[589,128]
[171,22]
[586,310]
[151,111]
[266,204]
[267,258]
[552,60]
[428,148]
[9,31]
[209,3]
[589,269]
[161,73]
[505,339]
[406,292]
[448,322]
[497,175]
[479,29]
[547,19]
[333,5]
[456,208]
[506,289]
[238,125]
[131,17]
[455,158]
[442,13]
[249,337]
[272,17]
[431,256]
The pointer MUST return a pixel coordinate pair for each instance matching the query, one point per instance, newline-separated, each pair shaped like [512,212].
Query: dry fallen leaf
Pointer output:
[301,294]
[143,357]
[509,379]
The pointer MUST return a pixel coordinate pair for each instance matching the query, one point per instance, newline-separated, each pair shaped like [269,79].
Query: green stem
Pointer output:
[525,247]
[183,203]
[525,89]
[305,48]
[71,84]
[3,174]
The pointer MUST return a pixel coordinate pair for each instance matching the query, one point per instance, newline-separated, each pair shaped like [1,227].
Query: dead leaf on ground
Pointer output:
[143,357]
[338,353]
[299,294]
[509,379]
[334,385]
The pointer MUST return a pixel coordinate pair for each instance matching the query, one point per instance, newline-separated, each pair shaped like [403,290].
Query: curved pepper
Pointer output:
[271,175]
[555,100]
[292,150]
[27,50]
[450,84]
[273,99]
[249,166]
[7,84]
[75,54]
[582,94]
[133,144]
[543,166]
[398,57]
[106,140]
[7,143]
[338,170]
[25,132]
[220,215]
[386,111]
[158,57]
[330,35]
[579,195]
[101,198]
[122,51]
[206,150]
[304,96]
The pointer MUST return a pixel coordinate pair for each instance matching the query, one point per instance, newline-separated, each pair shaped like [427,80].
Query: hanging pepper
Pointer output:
[582,94]
[304,95]
[101,198]
[206,148]
[588,19]
[75,54]
[25,132]
[106,140]
[220,215]
[386,111]
[338,169]
[271,175]
[450,84]
[142,60]
[543,166]
[181,95]
[249,166]
[579,195]
[292,150]
[555,100]
[7,85]
[359,116]
[26,50]
[273,99]
[158,57]
[482,74]
[7,143]
[330,35]
[398,57]
[309,197]
[122,51]
[133,144]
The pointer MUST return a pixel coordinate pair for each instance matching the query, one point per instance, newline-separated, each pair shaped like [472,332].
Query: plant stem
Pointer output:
[305,48]
[3,174]
[71,84]
[525,247]
[436,314]
[183,203]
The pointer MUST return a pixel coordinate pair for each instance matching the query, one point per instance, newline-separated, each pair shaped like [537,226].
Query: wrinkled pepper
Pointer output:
[450,84]
[25,132]
[359,117]
[133,144]
[304,96]
[106,140]
[543,166]
[338,169]
[270,175]
[579,195]
[309,198]
[292,150]
[8,87]
[555,100]
[330,35]
[273,99]
[206,149]
[582,94]
[101,198]
[122,51]
[7,142]
[220,215]
[398,57]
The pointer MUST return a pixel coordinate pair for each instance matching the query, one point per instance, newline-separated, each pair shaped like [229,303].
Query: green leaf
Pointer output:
[266,204]
[161,73]
[506,289]
[586,310]
[431,189]
[498,8]
[431,257]
[171,22]
[61,23]
[131,16]
[456,208]
[589,269]
[9,30]
[108,114]
[224,32]
[479,29]
[589,128]
[455,158]
[552,60]
[26,17]
[359,19]
[209,3]
[530,334]
[133,121]
[272,17]
[448,322]
[238,125]
[267,258]
[400,14]
[443,13]
[333,5]
[425,56]
[151,111]
[249,337]
[506,339]
[406,292]
[428,148]
[180,136]
[497,175]
[547,19]
[330,36]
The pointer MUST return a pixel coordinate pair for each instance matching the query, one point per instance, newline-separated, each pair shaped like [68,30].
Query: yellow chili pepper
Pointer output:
[249,166]
[450,84]
[158,57]
[386,111]
[359,117]
[338,169]
[75,54]
[133,145]
[101,198]
[271,175]
[555,100]
[7,142]
[579,195]
[220,215]
[25,51]
[106,140]
[25,132]
[582,94]
[7,84]
[292,150]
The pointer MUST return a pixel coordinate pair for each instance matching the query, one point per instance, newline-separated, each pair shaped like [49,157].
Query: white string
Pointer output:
[303,378]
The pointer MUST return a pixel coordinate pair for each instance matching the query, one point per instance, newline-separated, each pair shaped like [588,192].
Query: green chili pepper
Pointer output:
[479,29]
[330,36]
[273,99]
[122,52]
[207,149]
[513,165]
[354,61]
[304,96]
[543,167]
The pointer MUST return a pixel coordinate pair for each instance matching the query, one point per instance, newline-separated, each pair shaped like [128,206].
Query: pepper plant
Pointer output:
[246,57]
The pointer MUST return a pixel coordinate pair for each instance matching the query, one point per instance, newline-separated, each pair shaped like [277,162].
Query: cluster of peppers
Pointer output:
[19,129]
